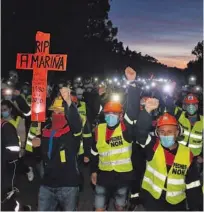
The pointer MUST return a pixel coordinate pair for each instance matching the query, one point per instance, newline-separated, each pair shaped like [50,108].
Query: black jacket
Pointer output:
[9,140]
[61,168]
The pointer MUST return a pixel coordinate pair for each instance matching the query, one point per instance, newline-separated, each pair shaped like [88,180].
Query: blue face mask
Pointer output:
[167,141]
[111,119]
[5,114]
[191,109]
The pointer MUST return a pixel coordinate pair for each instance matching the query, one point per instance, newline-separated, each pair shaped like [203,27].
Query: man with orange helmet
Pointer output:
[112,152]
[192,124]
[111,164]
[171,176]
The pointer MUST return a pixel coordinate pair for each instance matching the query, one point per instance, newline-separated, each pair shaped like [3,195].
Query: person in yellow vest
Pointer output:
[113,148]
[59,143]
[192,124]
[171,177]
[111,162]
[11,114]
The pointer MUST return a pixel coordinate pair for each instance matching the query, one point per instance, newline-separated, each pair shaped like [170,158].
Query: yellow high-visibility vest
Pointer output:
[16,122]
[115,155]
[33,132]
[156,175]
[193,136]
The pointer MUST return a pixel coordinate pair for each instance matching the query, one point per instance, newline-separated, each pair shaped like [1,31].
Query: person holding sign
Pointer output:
[59,144]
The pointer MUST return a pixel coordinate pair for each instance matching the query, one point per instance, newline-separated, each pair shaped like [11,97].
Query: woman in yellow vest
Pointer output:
[11,114]
[171,177]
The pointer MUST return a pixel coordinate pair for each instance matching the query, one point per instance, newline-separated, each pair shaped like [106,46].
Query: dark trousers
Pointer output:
[139,165]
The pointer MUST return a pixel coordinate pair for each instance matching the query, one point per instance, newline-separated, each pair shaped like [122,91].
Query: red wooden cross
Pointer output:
[40,62]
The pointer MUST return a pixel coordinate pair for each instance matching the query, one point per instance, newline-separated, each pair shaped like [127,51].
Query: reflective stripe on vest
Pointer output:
[183,143]
[192,134]
[115,155]
[116,162]
[31,134]
[193,184]
[116,151]
[156,175]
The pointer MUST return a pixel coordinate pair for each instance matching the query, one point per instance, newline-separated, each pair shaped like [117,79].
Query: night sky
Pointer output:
[165,29]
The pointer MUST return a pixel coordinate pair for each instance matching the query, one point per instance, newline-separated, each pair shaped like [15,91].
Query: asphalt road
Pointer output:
[29,192]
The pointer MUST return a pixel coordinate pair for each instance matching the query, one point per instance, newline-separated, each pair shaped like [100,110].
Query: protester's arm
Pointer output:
[94,155]
[73,118]
[71,112]
[23,106]
[87,139]
[11,142]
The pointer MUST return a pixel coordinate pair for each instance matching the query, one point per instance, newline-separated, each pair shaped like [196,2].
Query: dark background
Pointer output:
[82,30]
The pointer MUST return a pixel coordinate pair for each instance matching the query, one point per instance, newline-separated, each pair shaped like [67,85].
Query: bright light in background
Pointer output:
[96,79]
[147,87]
[110,81]
[115,98]
[8,92]
[118,83]
[115,79]
[127,82]
[153,84]
[192,78]
[167,88]
[198,88]
[79,79]
[124,86]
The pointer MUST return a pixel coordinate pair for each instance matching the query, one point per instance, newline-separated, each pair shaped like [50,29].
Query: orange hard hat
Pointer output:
[166,119]
[191,99]
[112,107]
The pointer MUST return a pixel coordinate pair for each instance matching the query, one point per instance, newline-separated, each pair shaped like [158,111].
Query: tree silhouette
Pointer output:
[195,67]
[79,28]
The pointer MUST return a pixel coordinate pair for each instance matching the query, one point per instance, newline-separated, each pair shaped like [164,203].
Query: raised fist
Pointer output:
[151,104]
[65,93]
[130,74]
[36,142]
